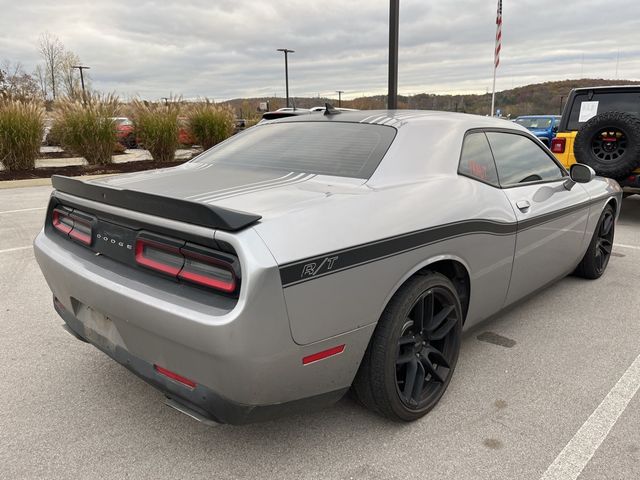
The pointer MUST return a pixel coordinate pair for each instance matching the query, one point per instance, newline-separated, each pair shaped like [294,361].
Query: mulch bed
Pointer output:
[63,154]
[78,170]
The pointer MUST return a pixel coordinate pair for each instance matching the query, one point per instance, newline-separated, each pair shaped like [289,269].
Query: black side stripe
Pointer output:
[339,260]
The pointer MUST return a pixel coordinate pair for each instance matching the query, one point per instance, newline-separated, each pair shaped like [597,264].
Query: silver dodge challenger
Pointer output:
[315,254]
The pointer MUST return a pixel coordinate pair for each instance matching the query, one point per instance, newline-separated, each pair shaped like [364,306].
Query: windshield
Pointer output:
[122,121]
[533,123]
[324,148]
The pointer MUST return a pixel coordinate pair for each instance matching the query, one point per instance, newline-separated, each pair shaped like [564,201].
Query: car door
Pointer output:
[551,211]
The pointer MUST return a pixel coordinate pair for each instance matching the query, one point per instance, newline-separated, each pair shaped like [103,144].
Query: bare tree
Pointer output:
[70,80]
[51,50]
[16,83]
[40,75]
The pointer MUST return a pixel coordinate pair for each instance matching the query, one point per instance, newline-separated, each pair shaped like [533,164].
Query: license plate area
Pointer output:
[98,328]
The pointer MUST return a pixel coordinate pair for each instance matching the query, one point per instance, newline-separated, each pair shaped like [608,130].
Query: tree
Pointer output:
[15,83]
[70,79]
[52,51]
[40,75]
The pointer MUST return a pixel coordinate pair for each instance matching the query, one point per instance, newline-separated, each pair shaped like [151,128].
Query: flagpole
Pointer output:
[496,55]
[493,91]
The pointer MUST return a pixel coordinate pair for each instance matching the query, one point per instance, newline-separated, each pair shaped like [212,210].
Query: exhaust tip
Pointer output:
[170,402]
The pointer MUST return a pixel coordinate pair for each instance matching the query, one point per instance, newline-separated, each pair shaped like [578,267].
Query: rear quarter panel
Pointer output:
[353,297]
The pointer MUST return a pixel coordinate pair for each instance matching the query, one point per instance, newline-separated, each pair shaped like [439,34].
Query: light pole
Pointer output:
[339,92]
[81,68]
[286,69]
[394,14]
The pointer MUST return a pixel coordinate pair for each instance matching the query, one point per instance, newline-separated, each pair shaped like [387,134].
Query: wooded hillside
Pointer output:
[535,99]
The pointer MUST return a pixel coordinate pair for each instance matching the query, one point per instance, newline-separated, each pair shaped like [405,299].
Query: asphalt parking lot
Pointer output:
[540,408]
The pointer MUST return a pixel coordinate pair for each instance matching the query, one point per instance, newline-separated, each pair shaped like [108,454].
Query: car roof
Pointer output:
[607,87]
[400,118]
[537,116]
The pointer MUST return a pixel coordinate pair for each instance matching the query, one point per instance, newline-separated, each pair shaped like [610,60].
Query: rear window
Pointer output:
[584,108]
[533,123]
[322,148]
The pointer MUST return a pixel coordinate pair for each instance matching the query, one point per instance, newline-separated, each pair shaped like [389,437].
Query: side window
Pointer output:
[520,160]
[476,160]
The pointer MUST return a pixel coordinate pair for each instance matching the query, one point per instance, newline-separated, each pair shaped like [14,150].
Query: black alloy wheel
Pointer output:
[609,144]
[598,254]
[426,347]
[604,241]
[413,351]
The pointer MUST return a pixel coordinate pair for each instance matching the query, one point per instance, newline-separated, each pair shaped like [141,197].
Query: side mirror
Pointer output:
[555,129]
[581,173]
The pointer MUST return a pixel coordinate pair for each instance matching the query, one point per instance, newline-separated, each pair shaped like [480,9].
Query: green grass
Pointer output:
[210,124]
[157,128]
[88,130]
[21,127]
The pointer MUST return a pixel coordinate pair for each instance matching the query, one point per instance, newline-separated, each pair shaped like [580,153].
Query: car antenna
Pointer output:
[330,109]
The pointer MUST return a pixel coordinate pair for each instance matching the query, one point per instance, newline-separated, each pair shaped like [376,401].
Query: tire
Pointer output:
[613,159]
[401,355]
[130,141]
[597,256]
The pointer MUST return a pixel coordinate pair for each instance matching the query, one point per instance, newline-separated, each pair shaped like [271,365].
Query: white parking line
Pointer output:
[24,210]
[15,249]
[622,245]
[578,452]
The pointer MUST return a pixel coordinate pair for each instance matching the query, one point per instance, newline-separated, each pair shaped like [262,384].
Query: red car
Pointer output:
[184,134]
[125,132]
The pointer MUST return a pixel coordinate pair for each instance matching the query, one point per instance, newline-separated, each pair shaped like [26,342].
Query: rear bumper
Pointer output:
[242,356]
[202,401]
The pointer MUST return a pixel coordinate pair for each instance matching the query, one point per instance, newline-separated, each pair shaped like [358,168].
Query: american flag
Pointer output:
[498,34]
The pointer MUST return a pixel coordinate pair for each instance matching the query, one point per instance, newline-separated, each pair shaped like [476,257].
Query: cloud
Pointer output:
[227,48]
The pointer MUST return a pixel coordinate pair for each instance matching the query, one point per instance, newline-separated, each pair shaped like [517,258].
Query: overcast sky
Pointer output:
[227,48]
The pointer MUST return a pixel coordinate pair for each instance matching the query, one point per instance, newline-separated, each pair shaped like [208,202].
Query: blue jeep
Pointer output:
[544,127]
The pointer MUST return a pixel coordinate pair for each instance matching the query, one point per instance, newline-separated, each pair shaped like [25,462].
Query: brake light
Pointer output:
[190,263]
[159,256]
[73,225]
[174,376]
[62,222]
[558,145]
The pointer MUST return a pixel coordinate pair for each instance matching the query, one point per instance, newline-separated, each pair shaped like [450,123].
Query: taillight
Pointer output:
[207,271]
[190,263]
[159,256]
[558,145]
[62,221]
[73,224]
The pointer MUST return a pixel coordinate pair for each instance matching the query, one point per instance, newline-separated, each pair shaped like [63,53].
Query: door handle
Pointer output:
[523,205]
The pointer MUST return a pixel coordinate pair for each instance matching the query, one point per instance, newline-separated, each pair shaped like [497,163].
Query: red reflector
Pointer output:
[322,355]
[632,178]
[558,145]
[175,376]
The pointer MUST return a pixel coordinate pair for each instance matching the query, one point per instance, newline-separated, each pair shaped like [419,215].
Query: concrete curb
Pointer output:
[41,182]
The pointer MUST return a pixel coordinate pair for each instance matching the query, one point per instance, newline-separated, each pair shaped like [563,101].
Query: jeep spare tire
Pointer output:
[610,144]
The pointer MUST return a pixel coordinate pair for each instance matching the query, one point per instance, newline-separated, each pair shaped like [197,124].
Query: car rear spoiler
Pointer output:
[173,208]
